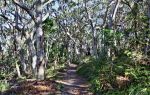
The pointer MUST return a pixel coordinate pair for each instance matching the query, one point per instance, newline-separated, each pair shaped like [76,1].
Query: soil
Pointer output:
[71,83]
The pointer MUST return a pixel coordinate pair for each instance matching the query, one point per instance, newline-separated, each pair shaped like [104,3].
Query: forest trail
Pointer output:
[71,83]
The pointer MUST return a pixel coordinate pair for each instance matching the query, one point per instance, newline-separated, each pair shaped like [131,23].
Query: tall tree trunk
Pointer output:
[94,39]
[69,52]
[39,41]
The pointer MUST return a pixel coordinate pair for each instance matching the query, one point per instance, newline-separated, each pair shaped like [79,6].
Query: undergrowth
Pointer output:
[121,76]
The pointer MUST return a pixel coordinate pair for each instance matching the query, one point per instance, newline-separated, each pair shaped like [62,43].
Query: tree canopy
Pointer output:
[108,40]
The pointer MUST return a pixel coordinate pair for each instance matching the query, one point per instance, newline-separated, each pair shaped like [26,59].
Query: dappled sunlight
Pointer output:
[73,84]
[32,87]
[74,47]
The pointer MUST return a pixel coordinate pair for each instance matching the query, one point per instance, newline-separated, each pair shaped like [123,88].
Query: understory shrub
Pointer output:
[120,76]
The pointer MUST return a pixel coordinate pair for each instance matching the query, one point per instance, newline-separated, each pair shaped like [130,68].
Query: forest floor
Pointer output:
[66,83]
[71,83]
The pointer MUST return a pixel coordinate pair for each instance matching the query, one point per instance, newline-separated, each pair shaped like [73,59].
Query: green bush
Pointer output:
[4,85]
[102,74]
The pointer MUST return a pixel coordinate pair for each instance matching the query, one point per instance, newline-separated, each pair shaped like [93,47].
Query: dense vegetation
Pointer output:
[109,40]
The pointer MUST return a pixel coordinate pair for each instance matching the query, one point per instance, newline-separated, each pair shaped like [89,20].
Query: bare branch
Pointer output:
[126,3]
[45,17]
[47,2]
[115,11]
[106,13]
[3,16]
[24,8]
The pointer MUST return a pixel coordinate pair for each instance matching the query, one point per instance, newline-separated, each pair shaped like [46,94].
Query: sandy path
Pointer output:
[73,84]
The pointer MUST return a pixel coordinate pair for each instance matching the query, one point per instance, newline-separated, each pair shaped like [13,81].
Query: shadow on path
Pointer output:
[72,84]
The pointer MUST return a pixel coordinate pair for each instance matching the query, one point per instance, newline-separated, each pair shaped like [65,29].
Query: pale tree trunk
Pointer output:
[22,60]
[18,70]
[78,53]
[15,48]
[94,39]
[69,52]
[32,57]
[115,10]
[94,44]
[112,23]
[15,41]
[35,12]
[40,53]
[39,42]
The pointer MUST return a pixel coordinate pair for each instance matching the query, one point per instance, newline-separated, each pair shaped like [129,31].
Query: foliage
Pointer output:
[52,70]
[35,34]
[4,85]
[48,26]
[7,71]
[110,35]
[103,74]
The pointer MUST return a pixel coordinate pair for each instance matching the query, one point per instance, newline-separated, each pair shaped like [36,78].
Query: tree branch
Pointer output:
[24,8]
[3,16]
[115,11]
[45,17]
[47,2]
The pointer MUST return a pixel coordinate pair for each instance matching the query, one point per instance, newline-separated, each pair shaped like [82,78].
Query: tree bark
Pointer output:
[39,42]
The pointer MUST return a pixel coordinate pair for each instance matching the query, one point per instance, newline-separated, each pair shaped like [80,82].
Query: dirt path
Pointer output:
[69,83]
[73,84]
